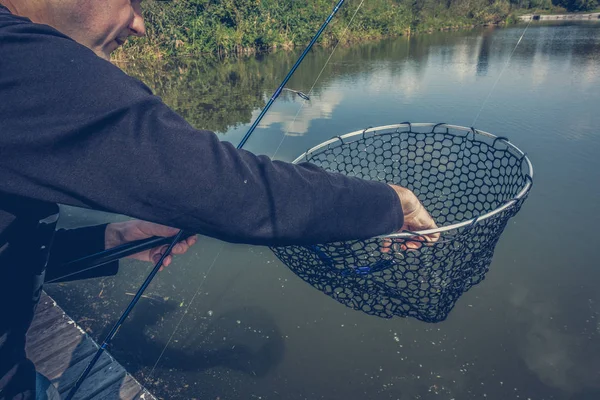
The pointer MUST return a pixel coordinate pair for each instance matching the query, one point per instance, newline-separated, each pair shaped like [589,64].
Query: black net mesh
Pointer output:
[459,175]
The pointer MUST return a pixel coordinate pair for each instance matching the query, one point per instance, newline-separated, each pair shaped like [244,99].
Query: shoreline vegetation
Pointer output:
[221,28]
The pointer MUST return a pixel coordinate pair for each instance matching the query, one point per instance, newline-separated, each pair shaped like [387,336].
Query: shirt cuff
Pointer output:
[72,244]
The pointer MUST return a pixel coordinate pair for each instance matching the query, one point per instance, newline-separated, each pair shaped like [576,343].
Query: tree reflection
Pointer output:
[222,94]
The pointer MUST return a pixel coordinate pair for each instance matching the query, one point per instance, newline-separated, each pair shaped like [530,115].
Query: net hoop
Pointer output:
[435,128]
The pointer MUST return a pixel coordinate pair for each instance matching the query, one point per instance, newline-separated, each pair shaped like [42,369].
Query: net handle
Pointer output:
[406,235]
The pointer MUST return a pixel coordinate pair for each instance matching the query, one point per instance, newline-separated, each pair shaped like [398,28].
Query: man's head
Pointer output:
[101,25]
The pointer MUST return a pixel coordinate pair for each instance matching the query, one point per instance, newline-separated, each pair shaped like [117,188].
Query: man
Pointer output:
[76,130]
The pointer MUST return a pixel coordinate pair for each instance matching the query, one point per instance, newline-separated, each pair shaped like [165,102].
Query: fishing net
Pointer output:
[470,181]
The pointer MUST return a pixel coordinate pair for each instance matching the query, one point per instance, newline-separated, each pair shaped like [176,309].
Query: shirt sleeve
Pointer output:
[72,244]
[77,130]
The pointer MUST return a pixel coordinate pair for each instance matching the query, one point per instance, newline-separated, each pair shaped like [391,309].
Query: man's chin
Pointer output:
[103,55]
[107,50]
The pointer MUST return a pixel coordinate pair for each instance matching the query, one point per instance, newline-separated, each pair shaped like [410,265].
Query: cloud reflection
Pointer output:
[560,356]
[320,106]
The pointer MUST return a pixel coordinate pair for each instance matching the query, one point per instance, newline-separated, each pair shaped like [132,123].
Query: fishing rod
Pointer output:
[180,235]
[116,253]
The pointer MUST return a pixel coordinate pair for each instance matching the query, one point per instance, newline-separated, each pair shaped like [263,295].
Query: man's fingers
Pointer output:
[163,249]
[136,229]
[191,240]
[180,248]
[434,237]
[394,245]
[411,245]
[157,252]
[156,258]
[386,245]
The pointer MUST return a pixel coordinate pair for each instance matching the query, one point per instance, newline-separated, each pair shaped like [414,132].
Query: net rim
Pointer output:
[377,130]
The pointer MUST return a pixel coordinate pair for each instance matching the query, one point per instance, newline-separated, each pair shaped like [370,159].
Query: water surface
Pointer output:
[530,330]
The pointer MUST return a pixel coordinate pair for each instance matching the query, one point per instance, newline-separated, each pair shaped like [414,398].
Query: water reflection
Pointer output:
[221,96]
[484,53]
[321,106]
[245,339]
[556,355]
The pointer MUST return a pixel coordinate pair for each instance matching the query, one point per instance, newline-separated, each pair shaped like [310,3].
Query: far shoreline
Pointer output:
[154,53]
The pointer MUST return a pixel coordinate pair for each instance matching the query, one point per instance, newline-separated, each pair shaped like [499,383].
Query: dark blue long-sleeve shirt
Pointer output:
[75,129]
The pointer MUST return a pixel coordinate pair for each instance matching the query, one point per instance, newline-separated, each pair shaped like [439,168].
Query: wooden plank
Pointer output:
[54,365]
[42,333]
[59,339]
[97,381]
[132,389]
[44,317]
[44,303]
[145,396]
[128,389]
[61,351]
[67,380]
[42,354]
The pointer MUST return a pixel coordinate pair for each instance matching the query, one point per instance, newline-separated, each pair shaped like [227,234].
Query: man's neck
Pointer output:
[35,10]
[9,4]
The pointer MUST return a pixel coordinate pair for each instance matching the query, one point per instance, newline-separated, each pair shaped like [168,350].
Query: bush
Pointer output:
[223,27]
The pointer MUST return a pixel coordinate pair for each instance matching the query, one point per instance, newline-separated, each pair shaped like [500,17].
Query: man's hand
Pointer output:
[123,232]
[416,218]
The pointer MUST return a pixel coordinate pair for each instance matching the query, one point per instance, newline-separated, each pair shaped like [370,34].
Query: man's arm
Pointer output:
[76,130]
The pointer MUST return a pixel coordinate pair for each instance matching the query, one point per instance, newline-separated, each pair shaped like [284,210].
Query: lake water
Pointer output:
[530,330]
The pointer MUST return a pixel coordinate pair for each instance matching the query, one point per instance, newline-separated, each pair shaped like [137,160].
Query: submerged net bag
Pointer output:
[470,181]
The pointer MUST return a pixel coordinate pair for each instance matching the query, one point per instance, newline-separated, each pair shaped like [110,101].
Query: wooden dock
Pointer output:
[555,17]
[61,350]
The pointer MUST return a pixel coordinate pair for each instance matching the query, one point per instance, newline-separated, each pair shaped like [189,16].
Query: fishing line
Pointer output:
[185,313]
[501,72]
[318,77]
